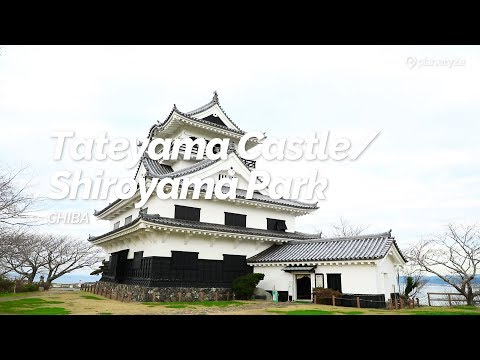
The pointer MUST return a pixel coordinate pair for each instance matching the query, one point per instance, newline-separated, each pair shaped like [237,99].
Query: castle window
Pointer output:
[235,219]
[275,224]
[334,282]
[128,220]
[116,225]
[187,213]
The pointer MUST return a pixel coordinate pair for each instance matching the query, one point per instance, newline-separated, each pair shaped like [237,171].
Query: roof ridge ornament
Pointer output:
[215,97]
[231,148]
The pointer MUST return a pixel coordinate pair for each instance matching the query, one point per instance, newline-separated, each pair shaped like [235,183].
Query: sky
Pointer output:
[421,172]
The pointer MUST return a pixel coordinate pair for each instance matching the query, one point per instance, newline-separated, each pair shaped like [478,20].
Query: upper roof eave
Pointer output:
[193,119]
[215,101]
[171,222]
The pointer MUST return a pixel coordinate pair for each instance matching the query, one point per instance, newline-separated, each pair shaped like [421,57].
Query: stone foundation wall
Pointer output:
[124,292]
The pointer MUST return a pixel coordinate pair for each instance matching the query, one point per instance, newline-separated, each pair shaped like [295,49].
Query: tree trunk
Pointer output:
[469,296]
[31,277]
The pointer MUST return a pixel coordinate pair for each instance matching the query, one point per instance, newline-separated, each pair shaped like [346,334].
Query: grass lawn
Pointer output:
[32,306]
[454,310]
[3,295]
[334,311]
[58,302]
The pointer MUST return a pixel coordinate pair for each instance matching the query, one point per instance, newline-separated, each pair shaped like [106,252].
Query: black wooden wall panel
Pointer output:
[183,269]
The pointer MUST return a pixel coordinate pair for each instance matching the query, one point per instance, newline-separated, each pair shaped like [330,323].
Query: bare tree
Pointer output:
[16,204]
[65,255]
[23,254]
[28,254]
[344,228]
[453,256]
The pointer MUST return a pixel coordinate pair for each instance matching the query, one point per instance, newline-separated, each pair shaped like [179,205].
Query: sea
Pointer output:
[436,285]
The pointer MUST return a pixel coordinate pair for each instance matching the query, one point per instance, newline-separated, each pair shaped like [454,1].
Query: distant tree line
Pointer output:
[24,251]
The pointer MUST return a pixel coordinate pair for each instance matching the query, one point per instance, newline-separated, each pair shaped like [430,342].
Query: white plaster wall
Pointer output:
[356,278]
[213,211]
[121,217]
[161,244]
[274,277]
[387,277]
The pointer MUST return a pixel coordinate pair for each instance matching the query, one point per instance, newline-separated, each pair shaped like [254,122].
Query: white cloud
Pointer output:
[422,171]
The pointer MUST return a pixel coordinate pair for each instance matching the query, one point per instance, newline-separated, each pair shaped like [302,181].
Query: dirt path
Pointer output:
[84,303]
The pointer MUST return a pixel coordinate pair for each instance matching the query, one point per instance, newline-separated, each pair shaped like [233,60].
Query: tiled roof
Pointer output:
[155,167]
[190,115]
[206,106]
[299,268]
[208,122]
[287,202]
[157,170]
[156,219]
[214,101]
[366,247]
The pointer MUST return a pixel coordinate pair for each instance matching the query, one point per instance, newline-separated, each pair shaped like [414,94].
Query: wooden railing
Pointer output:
[450,298]
[352,300]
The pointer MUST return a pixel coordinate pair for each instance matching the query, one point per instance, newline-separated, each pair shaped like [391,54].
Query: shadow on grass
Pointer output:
[91,297]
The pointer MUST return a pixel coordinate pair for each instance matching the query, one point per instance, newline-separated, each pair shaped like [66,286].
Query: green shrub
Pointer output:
[244,286]
[27,287]
[6,285]
[324,295]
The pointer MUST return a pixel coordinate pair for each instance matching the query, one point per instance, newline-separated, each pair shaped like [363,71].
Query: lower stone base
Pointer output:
[124,292]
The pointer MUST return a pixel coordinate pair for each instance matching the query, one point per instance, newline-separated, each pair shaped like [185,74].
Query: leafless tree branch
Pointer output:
[16,202]
[454,256]
[345,228]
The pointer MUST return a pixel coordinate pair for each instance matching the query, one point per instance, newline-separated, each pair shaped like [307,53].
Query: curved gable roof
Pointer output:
[212,103]
[365,247]
[190,115]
